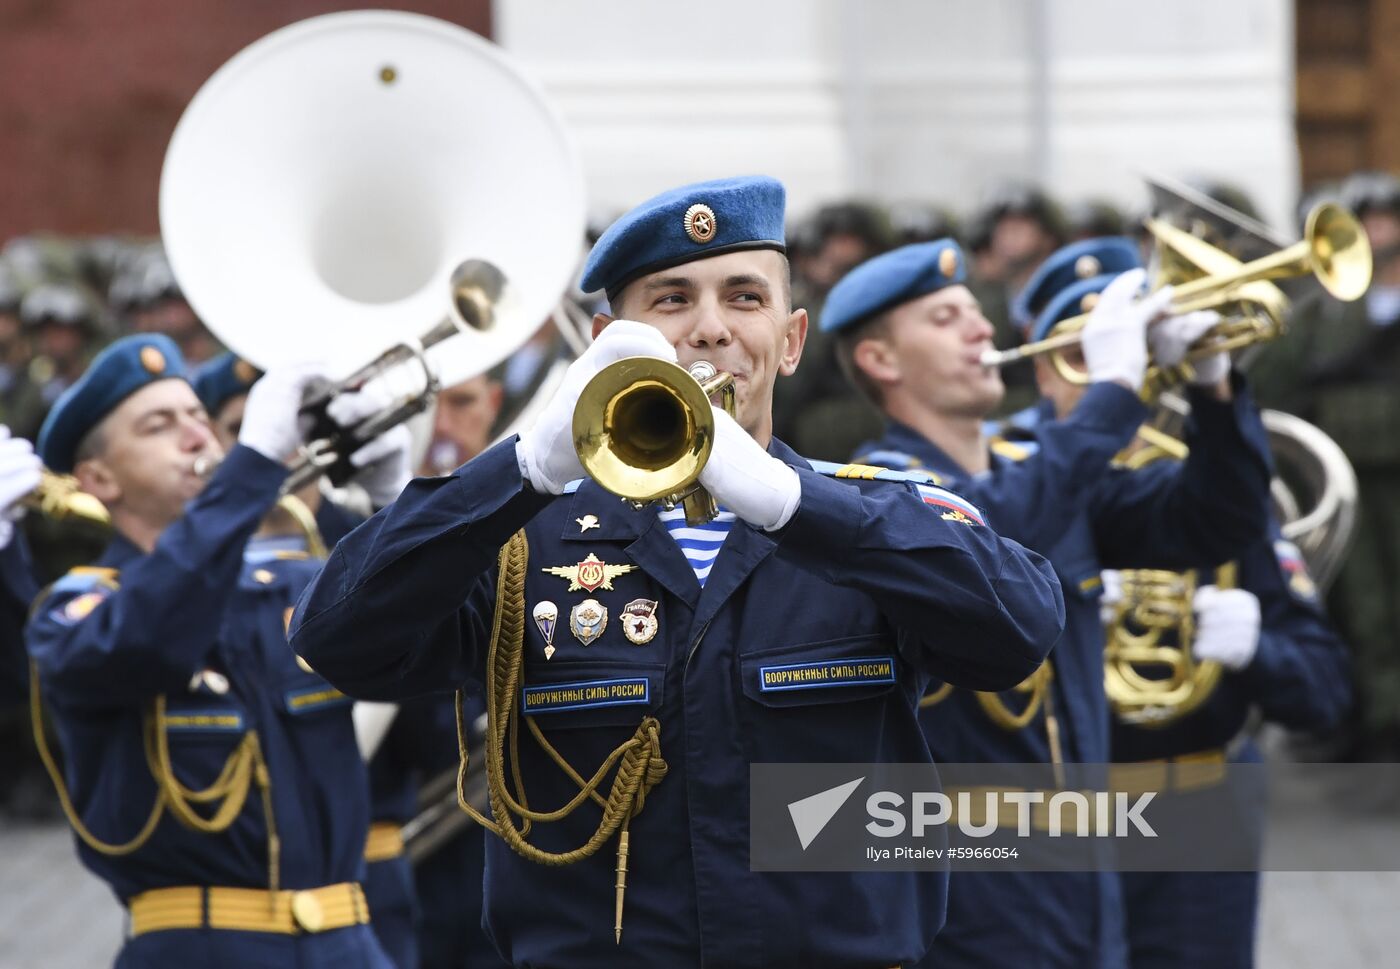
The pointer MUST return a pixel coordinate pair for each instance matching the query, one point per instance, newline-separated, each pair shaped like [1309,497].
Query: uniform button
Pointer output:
[307,910]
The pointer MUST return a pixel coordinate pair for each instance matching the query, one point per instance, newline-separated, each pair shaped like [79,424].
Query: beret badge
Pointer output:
[700,223]
[948,262]
[1087,267]
[152,359]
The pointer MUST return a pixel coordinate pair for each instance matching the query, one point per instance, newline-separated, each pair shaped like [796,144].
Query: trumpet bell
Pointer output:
[325,185]
[643,428]
[1341,253]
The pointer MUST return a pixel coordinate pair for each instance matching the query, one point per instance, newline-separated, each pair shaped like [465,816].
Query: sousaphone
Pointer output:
[373,181]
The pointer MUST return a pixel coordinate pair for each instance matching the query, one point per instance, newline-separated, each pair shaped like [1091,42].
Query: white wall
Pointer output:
[917,98]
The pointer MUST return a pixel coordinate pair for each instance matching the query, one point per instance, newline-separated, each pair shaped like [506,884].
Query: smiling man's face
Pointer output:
[731,310]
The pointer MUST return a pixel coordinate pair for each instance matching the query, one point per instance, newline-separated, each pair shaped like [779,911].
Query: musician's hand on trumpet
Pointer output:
[1114,340]
[20,471]
[272,423]
[1171,340]
[747,480]
[383,463]
[545,452]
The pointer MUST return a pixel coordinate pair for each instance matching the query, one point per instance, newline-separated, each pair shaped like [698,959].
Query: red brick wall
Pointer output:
[90,91]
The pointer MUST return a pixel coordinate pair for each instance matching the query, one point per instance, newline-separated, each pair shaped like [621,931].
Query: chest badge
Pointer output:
[212,680]
[546,615]
[587,522]
[639,623]
[591,574]
[587,620]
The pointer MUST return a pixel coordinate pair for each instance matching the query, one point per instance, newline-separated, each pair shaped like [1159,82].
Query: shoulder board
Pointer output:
[572,486]
[85,578]
[901,460]
[257,556]
[1013,451]
[870,472]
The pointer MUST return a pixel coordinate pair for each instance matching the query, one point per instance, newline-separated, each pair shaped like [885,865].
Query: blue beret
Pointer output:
[1070,302]
[1106,256]
[688,223]
[895,277]
[114,375]
[224,377]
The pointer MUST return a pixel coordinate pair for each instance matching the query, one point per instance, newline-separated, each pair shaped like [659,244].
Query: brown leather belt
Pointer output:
[250,909]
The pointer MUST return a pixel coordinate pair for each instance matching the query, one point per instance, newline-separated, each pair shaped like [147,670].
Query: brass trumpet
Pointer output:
[1334,249]
[644,429]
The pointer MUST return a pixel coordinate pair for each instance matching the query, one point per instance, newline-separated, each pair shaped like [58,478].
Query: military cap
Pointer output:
[1092,218]
[224,377]
[914,222]
[688,223]
[158,282]
[892,278]
[1367,192]
[1024,199]
[52,303]
[1078,261]
[114,375]
[1074,300]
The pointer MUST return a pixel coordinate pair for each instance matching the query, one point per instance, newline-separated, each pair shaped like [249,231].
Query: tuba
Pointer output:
[371,185]
[1150,676]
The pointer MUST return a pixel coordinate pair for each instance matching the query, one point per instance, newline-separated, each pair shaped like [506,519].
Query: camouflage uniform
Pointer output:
[1341,370]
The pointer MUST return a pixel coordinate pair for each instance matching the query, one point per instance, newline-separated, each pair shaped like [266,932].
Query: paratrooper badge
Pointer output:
[546,615]
[587,620]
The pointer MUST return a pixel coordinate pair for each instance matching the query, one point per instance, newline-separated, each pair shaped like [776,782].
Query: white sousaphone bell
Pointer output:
[379,186]
[371,183]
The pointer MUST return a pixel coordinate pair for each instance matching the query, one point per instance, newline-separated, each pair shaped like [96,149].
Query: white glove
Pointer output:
[1172,338]
[545,451]
[385,465]
[271,423]
[385,459]
[747,480]
[1227,626]
[1115,337]
[19,475]
[1112,594]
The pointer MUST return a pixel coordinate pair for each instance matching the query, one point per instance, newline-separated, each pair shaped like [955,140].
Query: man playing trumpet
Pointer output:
[213,782]
[632,638]
[912,337]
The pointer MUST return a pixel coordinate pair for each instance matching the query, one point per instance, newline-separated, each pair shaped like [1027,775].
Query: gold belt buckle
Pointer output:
[308,911]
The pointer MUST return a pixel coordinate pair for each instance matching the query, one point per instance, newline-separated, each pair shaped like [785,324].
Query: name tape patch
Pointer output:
[204,721]
[584,695]
[861,671]
[315,698]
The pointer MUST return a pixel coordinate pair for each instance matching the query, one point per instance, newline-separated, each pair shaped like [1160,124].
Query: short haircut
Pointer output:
[876,327]
[93,443]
